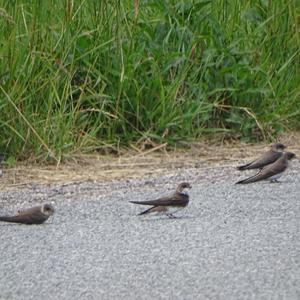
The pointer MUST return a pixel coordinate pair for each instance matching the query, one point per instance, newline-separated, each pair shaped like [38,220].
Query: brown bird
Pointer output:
[169,204]
[34,215]
[269,157]
[272,171]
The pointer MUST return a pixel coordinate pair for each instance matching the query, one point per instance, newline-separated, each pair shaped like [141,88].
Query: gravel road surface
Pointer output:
[232,242]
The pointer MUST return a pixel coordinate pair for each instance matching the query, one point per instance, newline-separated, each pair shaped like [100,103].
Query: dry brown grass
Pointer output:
[138,164]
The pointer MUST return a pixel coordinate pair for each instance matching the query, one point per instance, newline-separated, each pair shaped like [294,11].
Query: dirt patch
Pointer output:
[138,164]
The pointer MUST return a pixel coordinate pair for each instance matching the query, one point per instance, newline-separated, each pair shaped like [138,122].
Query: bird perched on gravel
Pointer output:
[169,204]
[267,158]
[272,171]
[34,215]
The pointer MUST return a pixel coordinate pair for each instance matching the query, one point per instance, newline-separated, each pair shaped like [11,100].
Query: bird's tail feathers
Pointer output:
[247,180]
[145,211]
[6,219]
[243,167]
[136,202]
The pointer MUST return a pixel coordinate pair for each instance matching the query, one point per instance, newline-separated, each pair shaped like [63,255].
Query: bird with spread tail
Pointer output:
[267,158]
[272,171]
[34,215]
[168,204]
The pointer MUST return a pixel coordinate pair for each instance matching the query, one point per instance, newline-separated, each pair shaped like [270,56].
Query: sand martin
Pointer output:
[169,204]
[34,215]
[272,171]
[269,157]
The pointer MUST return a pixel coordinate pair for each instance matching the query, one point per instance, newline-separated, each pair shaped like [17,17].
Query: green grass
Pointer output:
[80,76]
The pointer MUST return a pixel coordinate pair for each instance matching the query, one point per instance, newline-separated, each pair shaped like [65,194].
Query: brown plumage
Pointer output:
[179,199]
[34,215]
[267,158]
[272,171]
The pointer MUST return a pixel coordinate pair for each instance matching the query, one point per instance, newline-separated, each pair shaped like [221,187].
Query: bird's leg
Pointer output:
[275,181]
[171,216]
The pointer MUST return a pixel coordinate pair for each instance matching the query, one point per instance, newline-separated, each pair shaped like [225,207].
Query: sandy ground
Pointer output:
[139,164]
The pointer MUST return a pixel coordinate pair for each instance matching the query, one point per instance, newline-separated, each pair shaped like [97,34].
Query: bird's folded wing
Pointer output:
[18,219]
[273,169]
[268,171]
[175,199]
[266,159]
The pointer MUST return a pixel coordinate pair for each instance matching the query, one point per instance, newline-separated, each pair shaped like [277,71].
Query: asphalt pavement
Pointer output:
[232,242]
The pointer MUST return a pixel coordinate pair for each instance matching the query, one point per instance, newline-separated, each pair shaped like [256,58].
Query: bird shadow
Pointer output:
[155,219]
[27,225]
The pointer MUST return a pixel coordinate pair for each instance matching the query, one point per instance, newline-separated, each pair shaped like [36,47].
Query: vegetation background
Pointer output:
[87,75]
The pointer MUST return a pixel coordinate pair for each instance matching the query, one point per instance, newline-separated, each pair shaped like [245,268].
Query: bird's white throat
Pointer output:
[184,193]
